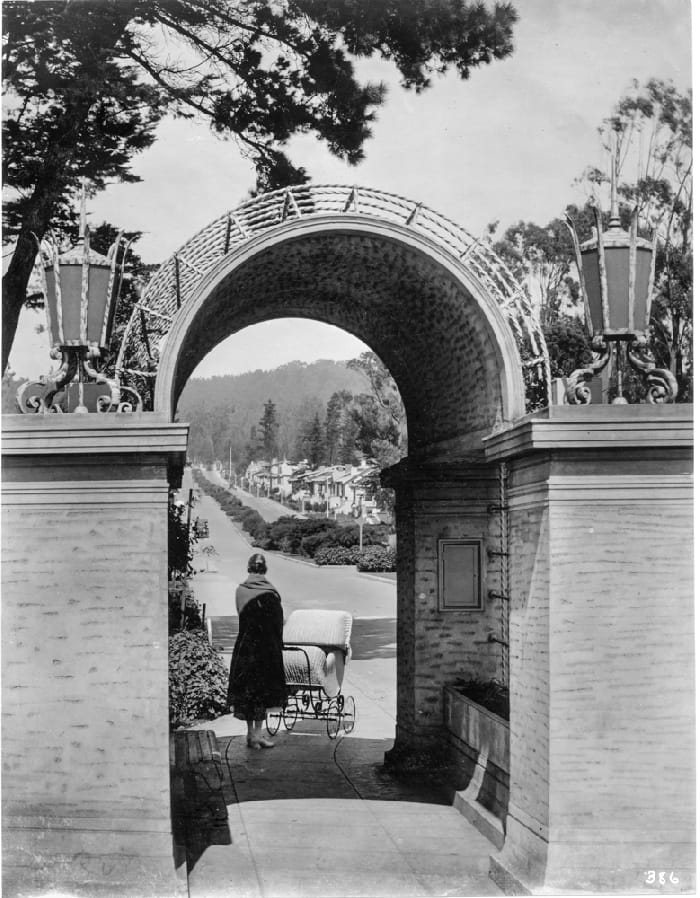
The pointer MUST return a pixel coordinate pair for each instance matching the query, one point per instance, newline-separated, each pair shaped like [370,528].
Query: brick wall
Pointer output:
[85,676]
[530,570]
[437,646]
[602,667]
[425,325]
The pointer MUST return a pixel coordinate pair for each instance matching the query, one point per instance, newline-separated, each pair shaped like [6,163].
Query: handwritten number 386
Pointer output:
[652,877]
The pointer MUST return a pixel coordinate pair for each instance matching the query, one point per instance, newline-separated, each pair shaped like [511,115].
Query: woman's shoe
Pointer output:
[260,742]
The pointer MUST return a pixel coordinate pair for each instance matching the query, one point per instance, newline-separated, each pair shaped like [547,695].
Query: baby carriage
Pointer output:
[316,650]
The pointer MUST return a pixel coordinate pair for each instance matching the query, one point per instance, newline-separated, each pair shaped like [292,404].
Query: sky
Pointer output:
[505,145]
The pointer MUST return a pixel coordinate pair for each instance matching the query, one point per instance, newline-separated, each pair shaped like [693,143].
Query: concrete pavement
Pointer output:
[315,816]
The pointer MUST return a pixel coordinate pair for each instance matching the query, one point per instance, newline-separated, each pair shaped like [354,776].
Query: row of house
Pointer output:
[343,489]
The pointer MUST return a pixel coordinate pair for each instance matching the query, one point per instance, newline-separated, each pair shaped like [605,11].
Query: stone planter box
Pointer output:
[479,749]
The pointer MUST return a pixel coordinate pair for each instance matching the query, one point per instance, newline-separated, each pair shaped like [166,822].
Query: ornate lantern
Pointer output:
[616,270]
[80,290]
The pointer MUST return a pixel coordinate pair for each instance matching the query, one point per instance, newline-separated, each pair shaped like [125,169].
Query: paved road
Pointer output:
[302,584]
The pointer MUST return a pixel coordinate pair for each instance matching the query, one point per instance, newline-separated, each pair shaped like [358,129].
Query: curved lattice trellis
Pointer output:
[177,279]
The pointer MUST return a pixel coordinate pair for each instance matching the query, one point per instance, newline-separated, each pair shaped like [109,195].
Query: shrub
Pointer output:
[291,534]
[197,680]
[229,503]
[323,539]
[377,534]
[347,536]
[281,532]
[337,555]
[254,523]
[377,558]
[179,544]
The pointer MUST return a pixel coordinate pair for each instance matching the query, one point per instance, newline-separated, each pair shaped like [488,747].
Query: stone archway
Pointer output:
[434,302]
[442,336]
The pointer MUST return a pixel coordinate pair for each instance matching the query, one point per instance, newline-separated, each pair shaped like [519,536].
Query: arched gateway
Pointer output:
[437,305]
[529,551]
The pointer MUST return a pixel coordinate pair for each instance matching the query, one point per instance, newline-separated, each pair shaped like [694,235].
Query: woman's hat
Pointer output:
[257,564]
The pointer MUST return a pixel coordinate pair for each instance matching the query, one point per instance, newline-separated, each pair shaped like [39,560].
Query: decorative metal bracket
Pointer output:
[662,385]
[76,387]
[577,390]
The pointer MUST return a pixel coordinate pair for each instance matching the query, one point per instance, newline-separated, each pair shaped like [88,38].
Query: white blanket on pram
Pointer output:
[324,638]
[310,666]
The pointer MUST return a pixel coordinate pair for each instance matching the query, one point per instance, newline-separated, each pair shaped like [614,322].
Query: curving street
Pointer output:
[268,509]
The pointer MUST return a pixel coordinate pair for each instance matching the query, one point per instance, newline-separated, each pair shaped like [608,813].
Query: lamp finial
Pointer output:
[614,205]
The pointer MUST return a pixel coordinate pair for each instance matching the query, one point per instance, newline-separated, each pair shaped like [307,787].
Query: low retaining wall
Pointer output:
[479,750]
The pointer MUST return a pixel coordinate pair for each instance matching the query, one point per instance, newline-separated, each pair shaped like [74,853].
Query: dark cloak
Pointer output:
[256,679]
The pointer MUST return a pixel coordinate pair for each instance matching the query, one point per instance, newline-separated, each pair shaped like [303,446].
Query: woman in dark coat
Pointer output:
[256,679]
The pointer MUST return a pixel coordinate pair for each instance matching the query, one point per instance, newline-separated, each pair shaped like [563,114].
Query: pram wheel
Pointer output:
[348,714]
[316,652]
[332,719]
[290,716]
[273,721]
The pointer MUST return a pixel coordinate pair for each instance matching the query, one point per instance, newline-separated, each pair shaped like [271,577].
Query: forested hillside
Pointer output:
[226,411]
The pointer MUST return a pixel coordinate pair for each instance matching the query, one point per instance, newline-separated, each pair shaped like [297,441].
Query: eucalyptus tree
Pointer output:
[647,142]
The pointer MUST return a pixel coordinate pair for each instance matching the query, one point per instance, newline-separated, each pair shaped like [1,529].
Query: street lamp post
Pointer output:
[80,289]
[616,271]
[359,512]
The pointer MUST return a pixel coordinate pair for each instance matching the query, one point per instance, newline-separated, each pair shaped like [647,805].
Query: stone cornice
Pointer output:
[595,427]
[35,435]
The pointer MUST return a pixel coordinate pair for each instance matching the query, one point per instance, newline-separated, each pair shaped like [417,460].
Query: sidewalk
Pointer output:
[315,817]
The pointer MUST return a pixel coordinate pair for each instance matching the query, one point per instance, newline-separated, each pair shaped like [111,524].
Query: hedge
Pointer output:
[377,558]
[302,536]
[337,555]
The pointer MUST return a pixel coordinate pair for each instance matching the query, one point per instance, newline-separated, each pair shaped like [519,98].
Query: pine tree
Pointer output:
[267,431]
[316,443]
[336,415]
